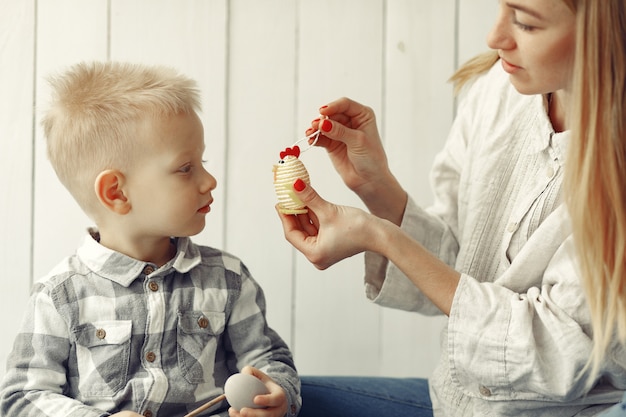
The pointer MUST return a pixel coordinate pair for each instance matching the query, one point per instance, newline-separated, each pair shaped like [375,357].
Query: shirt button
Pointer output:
[101,334]
[550,172]
[484,391]
[147,413]
[148,270]
[153,286]
[150,356]
[512,227]
[203,322]
[293,410]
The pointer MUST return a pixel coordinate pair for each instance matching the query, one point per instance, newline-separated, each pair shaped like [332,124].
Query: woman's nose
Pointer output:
[499,36]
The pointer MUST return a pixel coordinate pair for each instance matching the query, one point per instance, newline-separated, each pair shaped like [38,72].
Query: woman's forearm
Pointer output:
[433,277]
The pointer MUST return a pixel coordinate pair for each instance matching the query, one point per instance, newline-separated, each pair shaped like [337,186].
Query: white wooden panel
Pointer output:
[17,23]
[476,17]
[68,31]
[264,68]
[417,117]
[340,54]
[189,35]
[260,124]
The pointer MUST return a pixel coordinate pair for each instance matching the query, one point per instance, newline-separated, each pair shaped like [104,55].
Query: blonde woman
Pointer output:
[524,247]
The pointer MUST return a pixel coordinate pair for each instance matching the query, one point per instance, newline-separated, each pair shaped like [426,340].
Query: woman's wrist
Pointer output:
[380,236]
[385,198]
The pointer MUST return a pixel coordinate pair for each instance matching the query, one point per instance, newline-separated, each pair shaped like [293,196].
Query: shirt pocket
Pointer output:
[198,337]
[102,355]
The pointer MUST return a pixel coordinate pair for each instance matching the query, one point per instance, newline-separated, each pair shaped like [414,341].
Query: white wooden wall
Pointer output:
[264,67]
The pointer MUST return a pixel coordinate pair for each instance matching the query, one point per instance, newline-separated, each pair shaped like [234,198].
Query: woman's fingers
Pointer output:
[345,106]
[341,121]
[302,230]
[292,226]
[308,223]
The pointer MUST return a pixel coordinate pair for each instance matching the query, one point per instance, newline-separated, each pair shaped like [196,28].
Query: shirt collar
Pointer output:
[547,138]
[559,143]
[123,269]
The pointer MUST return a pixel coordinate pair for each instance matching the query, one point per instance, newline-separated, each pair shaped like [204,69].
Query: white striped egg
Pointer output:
[286,172]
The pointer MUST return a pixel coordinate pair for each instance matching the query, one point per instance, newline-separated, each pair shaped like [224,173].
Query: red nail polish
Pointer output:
[299,185]
[315,120]
[323,107]
[327,125]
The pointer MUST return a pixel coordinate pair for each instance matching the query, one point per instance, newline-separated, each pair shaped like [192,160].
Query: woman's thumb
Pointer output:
[307,194]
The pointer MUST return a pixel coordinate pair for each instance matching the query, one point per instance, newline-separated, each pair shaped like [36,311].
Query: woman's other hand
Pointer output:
[350,135]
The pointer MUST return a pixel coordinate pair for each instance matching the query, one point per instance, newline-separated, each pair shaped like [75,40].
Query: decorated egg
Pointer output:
[240,390]
[288,169]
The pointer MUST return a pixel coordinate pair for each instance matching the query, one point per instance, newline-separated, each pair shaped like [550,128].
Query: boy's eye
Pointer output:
[185,169]
[191,166]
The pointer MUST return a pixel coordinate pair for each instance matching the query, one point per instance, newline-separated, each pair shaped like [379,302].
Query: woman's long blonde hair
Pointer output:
[595,183]
[595,177]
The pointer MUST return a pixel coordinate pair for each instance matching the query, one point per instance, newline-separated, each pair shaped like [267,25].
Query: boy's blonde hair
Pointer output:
[93,120]
[595,176]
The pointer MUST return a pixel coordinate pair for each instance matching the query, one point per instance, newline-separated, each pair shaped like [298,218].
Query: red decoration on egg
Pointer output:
[295,151]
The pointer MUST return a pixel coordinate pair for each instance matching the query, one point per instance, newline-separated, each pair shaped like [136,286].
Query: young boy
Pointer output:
[140,321]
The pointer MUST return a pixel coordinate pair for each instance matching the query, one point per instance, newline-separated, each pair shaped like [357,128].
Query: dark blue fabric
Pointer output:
[618,410]
[346,396]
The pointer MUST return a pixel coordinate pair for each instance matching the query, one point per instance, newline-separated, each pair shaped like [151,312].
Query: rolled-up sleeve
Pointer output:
[387,285]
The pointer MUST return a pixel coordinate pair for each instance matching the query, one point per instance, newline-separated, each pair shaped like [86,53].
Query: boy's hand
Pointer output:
[275,402]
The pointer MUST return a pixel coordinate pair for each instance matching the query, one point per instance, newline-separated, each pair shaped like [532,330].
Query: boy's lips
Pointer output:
[205,209]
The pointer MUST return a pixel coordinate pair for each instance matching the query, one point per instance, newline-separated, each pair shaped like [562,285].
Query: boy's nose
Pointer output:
[208,182]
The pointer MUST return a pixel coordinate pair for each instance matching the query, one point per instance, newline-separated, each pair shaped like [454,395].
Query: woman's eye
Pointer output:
[526,28]
[522,26]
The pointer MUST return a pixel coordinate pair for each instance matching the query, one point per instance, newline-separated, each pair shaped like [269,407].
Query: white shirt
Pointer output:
[519,331]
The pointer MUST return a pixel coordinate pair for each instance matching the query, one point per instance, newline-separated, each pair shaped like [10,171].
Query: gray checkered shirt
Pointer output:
[104,332]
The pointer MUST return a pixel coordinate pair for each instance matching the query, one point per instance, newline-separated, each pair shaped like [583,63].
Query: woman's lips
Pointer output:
[508,67]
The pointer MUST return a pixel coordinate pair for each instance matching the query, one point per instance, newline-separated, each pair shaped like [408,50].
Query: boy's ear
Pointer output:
[109,189]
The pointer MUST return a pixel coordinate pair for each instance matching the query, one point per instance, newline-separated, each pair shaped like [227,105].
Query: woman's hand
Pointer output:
[275,402]
[328,233]
[350,135]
